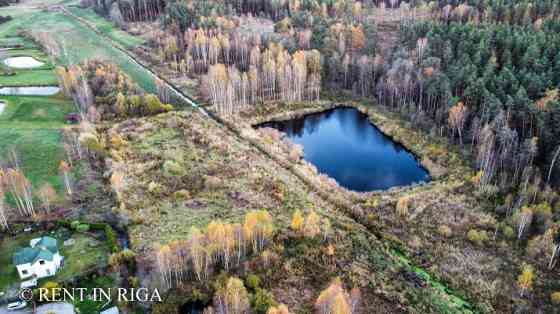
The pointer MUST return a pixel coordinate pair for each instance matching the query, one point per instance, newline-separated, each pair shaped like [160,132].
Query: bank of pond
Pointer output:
[343,144]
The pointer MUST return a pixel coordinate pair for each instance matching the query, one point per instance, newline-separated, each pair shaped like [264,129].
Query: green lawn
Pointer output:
[32,125]
[87,253]
[29,78]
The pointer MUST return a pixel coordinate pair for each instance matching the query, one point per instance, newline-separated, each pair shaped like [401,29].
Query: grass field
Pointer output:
[29,78]
[32,125]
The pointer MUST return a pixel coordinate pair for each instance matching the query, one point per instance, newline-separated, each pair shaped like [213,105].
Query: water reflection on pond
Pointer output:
[343,144]
[30,90]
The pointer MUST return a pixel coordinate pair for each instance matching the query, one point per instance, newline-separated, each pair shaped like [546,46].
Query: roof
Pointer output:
[48,243]
[44,249]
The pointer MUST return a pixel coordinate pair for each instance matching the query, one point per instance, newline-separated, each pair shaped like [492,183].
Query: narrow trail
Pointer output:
[390,35]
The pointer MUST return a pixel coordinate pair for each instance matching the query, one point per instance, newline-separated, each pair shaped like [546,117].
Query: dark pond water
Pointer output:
[195,307]
[343,144]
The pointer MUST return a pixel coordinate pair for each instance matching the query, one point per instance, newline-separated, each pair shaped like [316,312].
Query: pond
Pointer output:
[30,90]
[343,144]
[23,62]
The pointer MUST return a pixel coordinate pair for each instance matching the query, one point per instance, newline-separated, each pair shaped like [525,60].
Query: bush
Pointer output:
[509,232]
[445,231]
[112,239]
[402,207]
[50,287]
[74,224]
[555,297]
[262,301]
[477,237]
[82,228]
[253,281]
[171,168]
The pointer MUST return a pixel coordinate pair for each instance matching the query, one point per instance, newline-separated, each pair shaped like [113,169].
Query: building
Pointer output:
[40,260]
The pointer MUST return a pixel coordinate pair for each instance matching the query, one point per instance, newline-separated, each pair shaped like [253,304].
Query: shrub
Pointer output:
[172,168]
[444,231]
[297,221]
[296,153]
[74,224]
[555,297]
[402,207]
[262,301]
[82,228]
[253,281]
[372,202]
[91,142]
[134,282]
[477,237]
[50,287]
[112,239]
[525,279]
[509,233]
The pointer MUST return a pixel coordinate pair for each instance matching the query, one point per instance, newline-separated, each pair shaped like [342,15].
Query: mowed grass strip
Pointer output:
[29,78]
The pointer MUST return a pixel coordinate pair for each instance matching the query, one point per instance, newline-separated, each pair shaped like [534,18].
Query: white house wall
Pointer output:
[40,271]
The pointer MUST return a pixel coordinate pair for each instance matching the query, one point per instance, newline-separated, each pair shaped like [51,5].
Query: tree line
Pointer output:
[220,243]
[102,91]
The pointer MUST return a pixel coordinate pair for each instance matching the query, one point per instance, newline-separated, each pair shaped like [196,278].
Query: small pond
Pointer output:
[23,62]
[30,90]
[346,146]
